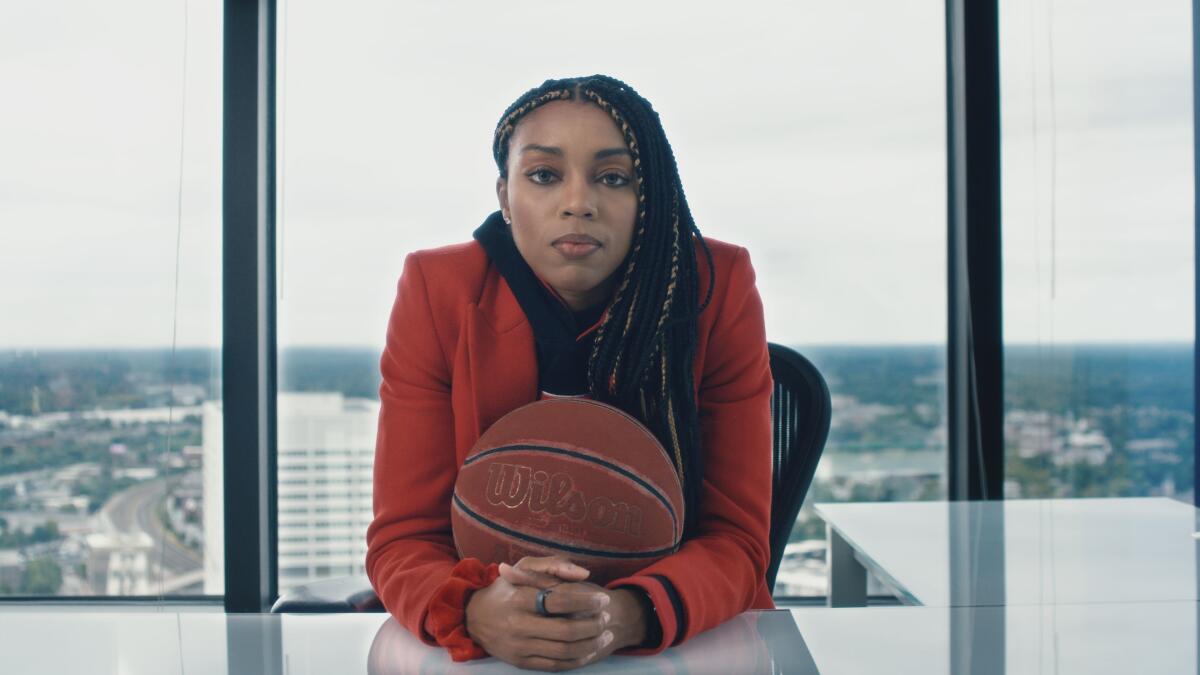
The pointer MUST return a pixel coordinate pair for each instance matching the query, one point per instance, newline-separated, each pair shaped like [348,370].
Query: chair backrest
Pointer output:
[800,412]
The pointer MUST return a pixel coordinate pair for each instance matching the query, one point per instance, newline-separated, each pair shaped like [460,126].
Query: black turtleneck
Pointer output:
[562,355]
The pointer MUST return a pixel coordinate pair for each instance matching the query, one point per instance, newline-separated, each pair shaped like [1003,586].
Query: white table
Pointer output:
[1091,639]
[1015,552]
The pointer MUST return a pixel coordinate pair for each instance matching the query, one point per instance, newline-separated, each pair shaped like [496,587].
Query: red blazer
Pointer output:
[460,354]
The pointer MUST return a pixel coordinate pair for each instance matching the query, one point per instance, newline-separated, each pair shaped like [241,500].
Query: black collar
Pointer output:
[562,356]
[552,321]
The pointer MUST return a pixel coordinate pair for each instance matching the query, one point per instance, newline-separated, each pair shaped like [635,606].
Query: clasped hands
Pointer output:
[588,622]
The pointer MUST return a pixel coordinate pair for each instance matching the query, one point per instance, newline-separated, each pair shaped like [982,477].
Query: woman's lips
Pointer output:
[574,247]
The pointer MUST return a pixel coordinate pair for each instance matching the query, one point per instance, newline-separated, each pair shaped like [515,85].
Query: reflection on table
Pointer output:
[1083,639]
[1012,552]
[751,643]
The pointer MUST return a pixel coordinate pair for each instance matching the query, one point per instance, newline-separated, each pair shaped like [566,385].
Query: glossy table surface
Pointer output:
[1087,639]
[1020,552]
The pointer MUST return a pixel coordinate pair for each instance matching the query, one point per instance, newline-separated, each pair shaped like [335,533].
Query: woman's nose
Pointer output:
[577,199]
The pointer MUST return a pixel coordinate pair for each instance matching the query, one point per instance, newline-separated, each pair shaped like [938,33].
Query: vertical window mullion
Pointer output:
[248,368]
[1196,244]
[974,378]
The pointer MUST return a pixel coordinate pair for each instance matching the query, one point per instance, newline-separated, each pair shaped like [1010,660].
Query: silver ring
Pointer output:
[539,602]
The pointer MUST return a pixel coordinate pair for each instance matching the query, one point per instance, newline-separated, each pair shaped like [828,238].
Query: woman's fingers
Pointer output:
[567,651]
[521,577]
[550,665]
[562,629]
[577,601]
[554,565]
[554,655]
[580,602]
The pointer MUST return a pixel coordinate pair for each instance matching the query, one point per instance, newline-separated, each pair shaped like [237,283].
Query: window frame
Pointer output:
[1195,243]
[974,344]
[249,382]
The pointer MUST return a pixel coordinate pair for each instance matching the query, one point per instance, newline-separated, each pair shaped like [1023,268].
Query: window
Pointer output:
[1098,248]
[813,136]
[110,343]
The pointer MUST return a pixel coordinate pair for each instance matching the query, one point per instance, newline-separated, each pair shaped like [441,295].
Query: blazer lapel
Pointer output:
[497,356]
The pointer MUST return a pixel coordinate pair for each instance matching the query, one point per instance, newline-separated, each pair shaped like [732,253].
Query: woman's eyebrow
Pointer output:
[548,149]
[609,152]
[552,150]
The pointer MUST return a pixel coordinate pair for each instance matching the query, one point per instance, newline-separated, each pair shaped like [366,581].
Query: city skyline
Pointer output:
[113,500]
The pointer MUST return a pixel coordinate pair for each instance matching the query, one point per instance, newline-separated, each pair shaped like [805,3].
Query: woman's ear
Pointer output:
[502,195]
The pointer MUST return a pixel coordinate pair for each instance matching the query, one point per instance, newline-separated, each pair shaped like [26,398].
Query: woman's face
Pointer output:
[571,198]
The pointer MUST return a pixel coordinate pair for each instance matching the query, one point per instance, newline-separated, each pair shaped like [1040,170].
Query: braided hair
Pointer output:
[645,346]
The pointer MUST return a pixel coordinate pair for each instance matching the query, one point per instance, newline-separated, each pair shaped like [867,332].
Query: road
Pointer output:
[135,510]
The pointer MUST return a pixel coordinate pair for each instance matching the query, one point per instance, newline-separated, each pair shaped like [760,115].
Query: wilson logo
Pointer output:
[516,486]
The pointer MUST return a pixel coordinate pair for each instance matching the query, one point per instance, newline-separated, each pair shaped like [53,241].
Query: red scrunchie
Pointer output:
[447,616]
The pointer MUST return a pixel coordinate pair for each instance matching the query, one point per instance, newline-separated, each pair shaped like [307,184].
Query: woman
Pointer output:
[593,280]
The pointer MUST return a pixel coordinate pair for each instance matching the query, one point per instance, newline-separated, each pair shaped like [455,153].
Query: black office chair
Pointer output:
[800,410]
[800,414]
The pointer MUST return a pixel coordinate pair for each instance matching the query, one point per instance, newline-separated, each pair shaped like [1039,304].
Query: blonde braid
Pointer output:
[506,126]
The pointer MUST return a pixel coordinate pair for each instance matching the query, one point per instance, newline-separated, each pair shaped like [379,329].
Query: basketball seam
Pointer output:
[596,404]
[596,460]
[638,423]
[554,544]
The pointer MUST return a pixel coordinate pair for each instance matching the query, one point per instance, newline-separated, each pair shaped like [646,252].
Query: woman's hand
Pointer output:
[503,620]
[622,612]
[543,572]
[626,616]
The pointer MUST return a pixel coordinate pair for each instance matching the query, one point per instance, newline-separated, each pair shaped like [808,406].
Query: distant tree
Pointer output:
[42,576]
[47,532]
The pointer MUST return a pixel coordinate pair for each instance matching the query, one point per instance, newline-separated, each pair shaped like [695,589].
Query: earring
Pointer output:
[507,221]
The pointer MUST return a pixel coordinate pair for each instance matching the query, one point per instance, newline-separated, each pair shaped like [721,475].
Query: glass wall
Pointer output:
[110,264]
[813,135]
[1098,248]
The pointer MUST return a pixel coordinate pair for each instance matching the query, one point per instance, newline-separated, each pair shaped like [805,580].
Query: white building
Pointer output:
[11,567]
[1066,439]
[119,563]
[326,455]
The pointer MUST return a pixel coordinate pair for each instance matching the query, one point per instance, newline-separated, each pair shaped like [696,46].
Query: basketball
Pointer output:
[571,477]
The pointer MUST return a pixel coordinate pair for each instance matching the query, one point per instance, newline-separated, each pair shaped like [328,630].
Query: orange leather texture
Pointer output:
[460,354]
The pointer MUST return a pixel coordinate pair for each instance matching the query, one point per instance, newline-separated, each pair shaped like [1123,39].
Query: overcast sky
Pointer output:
[812,133]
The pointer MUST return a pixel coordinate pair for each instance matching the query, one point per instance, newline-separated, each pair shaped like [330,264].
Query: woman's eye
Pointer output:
[541,176]
[614,180]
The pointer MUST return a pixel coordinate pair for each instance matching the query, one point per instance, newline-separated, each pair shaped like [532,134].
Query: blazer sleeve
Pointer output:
[717,573]
[410,550]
